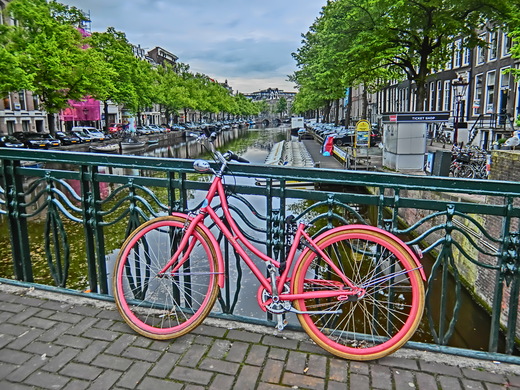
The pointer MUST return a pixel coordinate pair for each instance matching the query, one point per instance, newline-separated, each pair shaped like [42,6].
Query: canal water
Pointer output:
[254,145]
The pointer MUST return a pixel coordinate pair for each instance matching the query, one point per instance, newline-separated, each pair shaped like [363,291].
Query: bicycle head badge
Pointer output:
[201,166]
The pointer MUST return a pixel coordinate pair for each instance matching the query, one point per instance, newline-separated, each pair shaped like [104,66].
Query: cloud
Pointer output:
[248,43]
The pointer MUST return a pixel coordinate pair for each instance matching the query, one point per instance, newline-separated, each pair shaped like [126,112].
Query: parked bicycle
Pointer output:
[357,290]
[469,162]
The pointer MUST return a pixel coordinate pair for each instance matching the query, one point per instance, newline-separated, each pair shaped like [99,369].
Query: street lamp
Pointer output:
[459,85]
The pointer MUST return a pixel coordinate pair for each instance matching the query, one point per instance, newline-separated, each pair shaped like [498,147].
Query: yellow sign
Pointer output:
[362,137]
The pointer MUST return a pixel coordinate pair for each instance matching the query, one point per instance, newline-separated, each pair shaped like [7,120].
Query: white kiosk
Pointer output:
[404,138]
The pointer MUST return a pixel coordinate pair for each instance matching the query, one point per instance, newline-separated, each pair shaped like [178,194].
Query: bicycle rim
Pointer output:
[163,306]
[384,318]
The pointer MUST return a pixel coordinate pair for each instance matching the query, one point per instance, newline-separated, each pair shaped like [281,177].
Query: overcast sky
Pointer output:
[247,42]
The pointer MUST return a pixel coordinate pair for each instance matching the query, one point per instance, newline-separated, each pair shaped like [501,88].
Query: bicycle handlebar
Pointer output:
[229,155]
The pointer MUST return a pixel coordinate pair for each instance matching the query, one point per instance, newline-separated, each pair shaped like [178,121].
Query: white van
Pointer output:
[92,132]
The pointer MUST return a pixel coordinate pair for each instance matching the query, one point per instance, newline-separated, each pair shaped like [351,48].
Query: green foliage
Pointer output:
[369,42]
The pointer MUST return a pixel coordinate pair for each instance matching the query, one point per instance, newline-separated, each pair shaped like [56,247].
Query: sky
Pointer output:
[247,42]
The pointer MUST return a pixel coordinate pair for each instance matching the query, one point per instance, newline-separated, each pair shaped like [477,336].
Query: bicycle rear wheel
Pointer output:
[167,305]
[384,317]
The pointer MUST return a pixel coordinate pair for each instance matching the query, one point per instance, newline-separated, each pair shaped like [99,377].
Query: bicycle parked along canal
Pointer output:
[357,290]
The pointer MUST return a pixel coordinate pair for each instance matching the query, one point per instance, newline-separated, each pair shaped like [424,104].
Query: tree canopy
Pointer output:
[368,42]
[48,53]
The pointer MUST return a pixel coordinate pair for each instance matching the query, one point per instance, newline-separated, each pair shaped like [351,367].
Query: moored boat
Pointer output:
[132,143]
[110,148]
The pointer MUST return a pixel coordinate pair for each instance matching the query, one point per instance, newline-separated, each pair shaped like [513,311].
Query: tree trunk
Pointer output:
[365,104]
[51,120]
[336,117]
[105,111]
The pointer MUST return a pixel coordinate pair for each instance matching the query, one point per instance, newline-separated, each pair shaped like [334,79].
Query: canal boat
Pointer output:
[132,143]
[110,148]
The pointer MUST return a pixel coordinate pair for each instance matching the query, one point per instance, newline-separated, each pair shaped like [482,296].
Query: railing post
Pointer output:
[19,235]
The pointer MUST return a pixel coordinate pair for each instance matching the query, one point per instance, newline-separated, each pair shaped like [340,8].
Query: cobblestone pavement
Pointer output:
[58,341]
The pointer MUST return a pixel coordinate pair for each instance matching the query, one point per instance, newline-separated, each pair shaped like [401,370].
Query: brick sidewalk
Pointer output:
[57,341]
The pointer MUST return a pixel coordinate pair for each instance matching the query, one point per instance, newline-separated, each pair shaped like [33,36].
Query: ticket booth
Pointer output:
[404,138]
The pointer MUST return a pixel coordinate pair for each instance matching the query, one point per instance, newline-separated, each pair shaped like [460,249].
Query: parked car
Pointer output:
[83,137]
[8,141]
[32,140]
[51,140]
[142,130]
[67,138]
[115,128]
[95,134]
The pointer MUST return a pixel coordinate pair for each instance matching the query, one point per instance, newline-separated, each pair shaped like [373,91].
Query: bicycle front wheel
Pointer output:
[164,305]
[383,317]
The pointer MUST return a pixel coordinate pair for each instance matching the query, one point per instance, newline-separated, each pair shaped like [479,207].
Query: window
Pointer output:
[449,63]
[21,100]
[477,96]
[493,46]
[7,102]
[506,45]
[446,105]
[439,96]
[481,50]
[26,126]
[457,54]
[432,97]
[36,102]
[466,59]
[10,127]
[490,92]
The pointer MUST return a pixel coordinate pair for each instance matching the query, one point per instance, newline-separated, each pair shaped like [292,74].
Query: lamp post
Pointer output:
[459,88]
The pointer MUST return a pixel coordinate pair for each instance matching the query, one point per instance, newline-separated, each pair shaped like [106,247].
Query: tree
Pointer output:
[281,106]
[50,55]
[116,52]
[368,41]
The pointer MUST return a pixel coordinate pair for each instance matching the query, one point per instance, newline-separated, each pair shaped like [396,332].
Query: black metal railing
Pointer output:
[65,214]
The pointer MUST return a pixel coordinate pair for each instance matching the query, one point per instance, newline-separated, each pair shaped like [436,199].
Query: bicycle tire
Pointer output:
[165,306]
[383,319]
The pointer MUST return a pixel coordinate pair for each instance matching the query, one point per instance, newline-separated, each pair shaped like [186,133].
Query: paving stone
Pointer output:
[165,365]
[280,342]
[6,368]
[114,362]
[157,384]
[220,366]
[46,380]
[26,369]
[13,356]
[468,384]
[194,355]
[107,379]
[483,375]
[141,354]
[338,370]
[219,349]
[247,377]
[94,349]
[242,335]
[404,379]
[272,371]
[25,339]
[66,317]
[40,348]
[426,381]
[211,331]
[22,316]
[60,360]
[14,329]
[296,362]
[381,376]
[120,344]
[361,382]
[100,334]
[40,323]
[238,352]
[189,375]
[76,384]
[317,366]
[73,341]
[304,381]
[256,355]
[81,371]
[133,376]
[222,382]
[442,369]
[55,332]
[278,353]
[449,383]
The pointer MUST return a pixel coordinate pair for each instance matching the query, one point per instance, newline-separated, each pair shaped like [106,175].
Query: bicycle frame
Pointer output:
[235,237]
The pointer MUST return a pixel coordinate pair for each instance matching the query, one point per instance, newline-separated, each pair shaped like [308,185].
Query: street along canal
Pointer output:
[472,328]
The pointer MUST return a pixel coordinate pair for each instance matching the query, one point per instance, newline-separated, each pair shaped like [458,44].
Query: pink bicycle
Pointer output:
[357,290]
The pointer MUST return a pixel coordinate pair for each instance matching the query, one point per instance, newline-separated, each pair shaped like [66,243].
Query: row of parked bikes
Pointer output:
[470,162]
